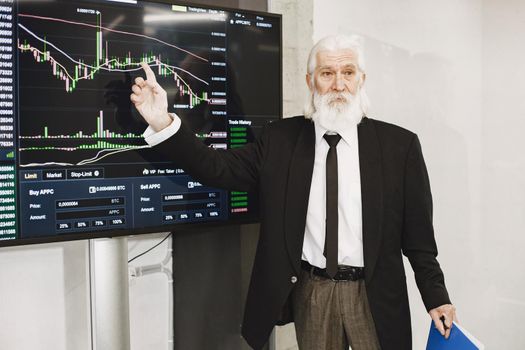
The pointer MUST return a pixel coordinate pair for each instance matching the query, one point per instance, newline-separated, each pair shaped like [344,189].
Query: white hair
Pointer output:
[337,42]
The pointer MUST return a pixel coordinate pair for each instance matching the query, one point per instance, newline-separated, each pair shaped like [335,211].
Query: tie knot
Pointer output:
[332,140]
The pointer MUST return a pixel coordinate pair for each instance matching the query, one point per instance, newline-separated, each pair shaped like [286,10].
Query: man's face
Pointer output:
[336,71]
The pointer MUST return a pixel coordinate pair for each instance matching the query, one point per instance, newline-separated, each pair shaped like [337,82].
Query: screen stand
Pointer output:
[108,261]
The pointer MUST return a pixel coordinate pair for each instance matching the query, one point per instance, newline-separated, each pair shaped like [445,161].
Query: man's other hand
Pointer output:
[151,100]
[443,314]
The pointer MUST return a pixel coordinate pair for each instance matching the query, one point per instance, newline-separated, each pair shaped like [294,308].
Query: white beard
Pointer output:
[335,111]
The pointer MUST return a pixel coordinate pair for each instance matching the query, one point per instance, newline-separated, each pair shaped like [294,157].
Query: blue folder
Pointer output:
[456,341]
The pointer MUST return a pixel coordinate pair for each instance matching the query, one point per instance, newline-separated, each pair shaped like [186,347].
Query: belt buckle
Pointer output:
[338,273]
[350,272]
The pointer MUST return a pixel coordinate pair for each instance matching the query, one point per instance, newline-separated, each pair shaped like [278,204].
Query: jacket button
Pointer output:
[294,279]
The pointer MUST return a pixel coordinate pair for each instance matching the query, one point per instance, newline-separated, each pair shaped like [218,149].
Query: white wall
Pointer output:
[502,191]
[45,296]
[44,300]
[452,71]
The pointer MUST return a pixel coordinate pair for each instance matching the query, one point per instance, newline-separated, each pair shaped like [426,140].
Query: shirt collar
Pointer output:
[349,135]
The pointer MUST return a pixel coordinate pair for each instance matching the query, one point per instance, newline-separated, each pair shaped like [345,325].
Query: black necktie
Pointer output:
[330,244]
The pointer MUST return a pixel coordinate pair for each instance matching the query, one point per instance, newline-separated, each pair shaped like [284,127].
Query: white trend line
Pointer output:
[112,30]
[89,160]
[102,67]
[95,159]
[45,164]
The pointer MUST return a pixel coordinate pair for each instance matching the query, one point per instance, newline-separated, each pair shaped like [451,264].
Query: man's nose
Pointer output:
[338,84]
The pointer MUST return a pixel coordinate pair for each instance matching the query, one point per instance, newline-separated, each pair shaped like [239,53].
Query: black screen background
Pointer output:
[253,89]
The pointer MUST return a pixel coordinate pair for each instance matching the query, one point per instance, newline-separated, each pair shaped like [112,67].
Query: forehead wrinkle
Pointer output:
[339,58]
[336,66]
[330,59]
[342,53]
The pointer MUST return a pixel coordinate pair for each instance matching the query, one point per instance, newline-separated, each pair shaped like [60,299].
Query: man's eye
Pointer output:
[326,74]
[348,73]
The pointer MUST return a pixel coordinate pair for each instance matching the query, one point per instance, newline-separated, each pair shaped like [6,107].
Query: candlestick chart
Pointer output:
[76,69]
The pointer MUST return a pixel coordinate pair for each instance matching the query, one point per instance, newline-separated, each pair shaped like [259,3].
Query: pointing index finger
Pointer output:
[149,73]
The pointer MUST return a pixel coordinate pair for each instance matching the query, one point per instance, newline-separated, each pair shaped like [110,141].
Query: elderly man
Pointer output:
[342,197]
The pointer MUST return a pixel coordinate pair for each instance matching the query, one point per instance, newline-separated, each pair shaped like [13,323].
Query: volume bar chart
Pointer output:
[99,133]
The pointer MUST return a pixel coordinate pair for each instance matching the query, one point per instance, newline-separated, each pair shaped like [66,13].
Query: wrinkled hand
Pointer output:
[449,312]
[151,100]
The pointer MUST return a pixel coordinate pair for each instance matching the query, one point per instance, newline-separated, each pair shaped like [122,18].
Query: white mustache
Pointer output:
[338,97]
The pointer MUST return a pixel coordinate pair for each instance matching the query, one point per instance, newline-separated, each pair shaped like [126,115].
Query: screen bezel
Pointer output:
[183,227]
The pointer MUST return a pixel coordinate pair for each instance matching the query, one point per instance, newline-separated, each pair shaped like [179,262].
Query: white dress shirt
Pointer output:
[350,230]
[350,227]
[153,138]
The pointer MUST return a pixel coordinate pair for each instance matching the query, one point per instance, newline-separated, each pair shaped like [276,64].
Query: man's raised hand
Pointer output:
[151,100]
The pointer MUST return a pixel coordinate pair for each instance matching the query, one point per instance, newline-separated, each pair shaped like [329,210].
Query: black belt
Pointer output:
[344,272]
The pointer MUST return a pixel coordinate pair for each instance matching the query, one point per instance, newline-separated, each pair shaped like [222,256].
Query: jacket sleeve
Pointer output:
[233,169]
[418,242]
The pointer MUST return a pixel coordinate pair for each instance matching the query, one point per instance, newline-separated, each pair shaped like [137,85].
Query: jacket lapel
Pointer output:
[298,192]
[370,165]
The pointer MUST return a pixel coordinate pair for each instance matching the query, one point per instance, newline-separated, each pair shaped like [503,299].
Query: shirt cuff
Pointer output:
[154,138]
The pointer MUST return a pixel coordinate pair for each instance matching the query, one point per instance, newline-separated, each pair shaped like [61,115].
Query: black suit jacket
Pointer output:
[397,217]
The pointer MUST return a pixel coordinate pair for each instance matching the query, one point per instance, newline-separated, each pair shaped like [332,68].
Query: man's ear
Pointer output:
[363,78]
[309,81]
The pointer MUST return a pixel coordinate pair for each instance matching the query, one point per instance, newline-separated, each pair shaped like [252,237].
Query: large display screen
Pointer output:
[73,161]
